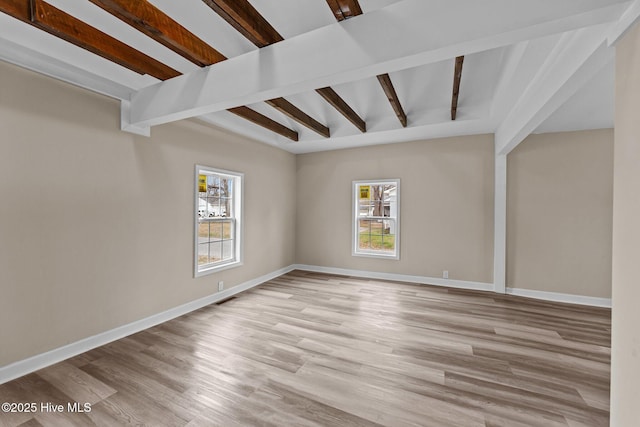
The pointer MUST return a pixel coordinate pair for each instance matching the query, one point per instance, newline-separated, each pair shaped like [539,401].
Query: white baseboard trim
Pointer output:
[34,363]
[450,283]
[558,297]
[462,284]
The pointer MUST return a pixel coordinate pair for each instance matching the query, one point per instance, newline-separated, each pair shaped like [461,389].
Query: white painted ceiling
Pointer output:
[524,80]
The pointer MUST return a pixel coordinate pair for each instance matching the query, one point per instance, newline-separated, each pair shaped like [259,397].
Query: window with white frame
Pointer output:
[218,220]
[376,218]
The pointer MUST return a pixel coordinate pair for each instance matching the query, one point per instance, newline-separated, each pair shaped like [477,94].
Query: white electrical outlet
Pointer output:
[220,285]
[445,274]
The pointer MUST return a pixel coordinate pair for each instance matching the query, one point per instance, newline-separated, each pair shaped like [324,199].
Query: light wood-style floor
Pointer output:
[311,349]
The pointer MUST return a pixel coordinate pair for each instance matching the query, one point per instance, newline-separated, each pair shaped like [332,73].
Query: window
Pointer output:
[218,220]
[376,223]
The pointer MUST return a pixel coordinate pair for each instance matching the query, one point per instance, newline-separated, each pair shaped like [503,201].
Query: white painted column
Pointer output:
[625,333]
[500,225]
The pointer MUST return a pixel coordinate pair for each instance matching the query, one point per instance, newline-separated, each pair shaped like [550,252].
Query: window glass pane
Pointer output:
[377,235]
[216,231]
[225,207]
[376,202]
[225,194]
[205,206]
[376,227]
[364,234]
[215,221]
[203,231]
[391,201]
[215,251]
[215,188]
[227,249]
[389,236]
[228,230]
[376,218]
[203,253]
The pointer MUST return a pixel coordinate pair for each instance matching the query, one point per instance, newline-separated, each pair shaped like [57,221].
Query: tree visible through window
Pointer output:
[217,219]
[376,224]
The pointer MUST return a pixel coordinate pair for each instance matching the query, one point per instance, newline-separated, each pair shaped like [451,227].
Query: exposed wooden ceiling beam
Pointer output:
[249,22]
[60,24]
[242,16]
[343,108]
[295,113]
[317,62]
[19,9]
[345,9]
[151,21]
[392,96]
[264,121]
[457,76]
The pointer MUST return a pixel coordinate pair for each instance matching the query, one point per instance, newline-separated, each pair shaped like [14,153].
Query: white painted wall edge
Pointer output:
[32,364]
[451,283]
[558,297]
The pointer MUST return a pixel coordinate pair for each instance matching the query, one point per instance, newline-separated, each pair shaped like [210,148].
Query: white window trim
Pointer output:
[238,203]
[354,220]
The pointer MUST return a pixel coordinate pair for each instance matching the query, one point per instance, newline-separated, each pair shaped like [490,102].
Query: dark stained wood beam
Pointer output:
[343,108]
[242,16]
[295,113]
[151,21]
[250,23]
[344,9]
[264,121]
[392,96]
[157,25]
[19,9]
[457,76]
[60,24]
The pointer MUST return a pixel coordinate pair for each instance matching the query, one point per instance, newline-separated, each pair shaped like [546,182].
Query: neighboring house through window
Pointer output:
[376,219]
[218,220]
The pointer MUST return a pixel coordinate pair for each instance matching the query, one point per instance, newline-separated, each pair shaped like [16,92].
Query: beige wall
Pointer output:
[559,213]
[625,357]
[96,224]
[446,206]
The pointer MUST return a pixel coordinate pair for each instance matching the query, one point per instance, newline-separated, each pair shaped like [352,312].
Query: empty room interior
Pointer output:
[320,213]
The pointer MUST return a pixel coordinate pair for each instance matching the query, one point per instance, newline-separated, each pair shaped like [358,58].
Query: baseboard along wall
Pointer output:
[451,283]
[558,297]
[34,363]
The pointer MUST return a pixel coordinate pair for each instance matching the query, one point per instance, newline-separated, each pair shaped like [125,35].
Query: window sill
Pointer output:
[217,268]
[376,255]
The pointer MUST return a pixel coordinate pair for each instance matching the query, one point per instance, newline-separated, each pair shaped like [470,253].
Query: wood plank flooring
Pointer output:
[310,349]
